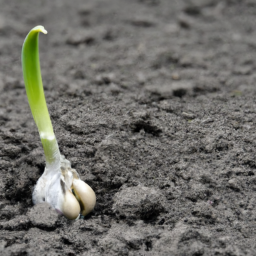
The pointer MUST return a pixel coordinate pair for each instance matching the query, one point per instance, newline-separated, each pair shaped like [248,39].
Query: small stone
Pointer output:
[234,183]
[141,21]
[175,76]
[78,74]
[210,144]
[142,114]
[114,89]
[81,37]
[85,9]
[43,216]
[243,70]
[13,83]
[207,120]
[187,61]
[171,28]
[185,21]
[188,115]
[105,79]
[205,211]
[139,203]
[141,78]
[73,89]
[176,89]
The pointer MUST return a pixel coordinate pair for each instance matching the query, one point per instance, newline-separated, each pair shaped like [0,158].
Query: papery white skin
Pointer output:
[55,188]
[48,188]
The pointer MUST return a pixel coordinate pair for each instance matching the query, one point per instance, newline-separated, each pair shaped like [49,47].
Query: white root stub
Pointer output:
[65,191]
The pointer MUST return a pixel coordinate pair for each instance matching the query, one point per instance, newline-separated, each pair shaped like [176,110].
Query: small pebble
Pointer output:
[139,202]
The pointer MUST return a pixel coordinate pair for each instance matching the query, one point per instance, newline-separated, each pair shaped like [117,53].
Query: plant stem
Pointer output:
[35,94]
[51,152]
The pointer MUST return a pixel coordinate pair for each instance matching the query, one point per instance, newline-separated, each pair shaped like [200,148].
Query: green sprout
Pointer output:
[60,185]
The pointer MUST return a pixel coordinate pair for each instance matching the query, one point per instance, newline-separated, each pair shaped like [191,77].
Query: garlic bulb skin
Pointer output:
[85,195]
[55,187]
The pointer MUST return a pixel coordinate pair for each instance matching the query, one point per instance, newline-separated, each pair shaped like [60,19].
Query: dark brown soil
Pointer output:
[153,102]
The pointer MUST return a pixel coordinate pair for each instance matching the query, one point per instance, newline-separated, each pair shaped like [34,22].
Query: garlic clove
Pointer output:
[70,206]
[85,195]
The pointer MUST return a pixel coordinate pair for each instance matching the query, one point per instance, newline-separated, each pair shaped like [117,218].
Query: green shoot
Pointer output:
[35,94]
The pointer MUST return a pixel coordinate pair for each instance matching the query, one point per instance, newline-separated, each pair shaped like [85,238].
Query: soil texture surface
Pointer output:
[153,102]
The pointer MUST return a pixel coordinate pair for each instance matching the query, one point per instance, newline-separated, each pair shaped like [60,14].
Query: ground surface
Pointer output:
[153,102]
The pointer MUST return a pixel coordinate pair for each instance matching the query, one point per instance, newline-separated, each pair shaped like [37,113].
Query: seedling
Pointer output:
[59,185]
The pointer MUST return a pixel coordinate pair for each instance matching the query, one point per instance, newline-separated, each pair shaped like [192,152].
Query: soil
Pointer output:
[153,102]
